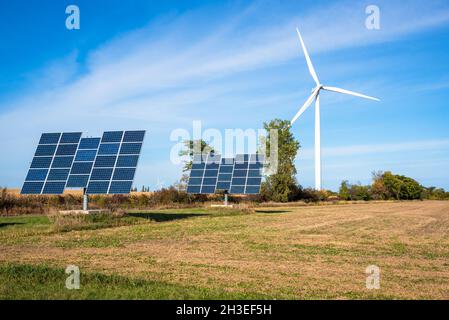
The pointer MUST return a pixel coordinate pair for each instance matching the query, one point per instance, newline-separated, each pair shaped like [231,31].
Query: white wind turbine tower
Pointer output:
[316,95]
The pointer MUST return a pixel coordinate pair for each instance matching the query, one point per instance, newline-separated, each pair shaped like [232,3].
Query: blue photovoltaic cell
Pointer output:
[254,173]
[196,173]
[241,165]
[222,185]
[58,175]
[81,168]
[257,165]
[105,161]
[226,169]
[127,161]
[77,181]
[237,189]
[120,187]
[195,181]
[54,188]
[252,189]
[198,166]
[253,181]
[62,162]
[238,181]
[124,174]
[41,162]
[225,176]
[134,136]
[130,148]
[193,189]
[45,150]
[32,187]
[98,187]
[89,143]
[210,181]
[70,137]
[207,189]
[85,155]
[66,149]
[210,173]
[108,148]
[36,175]
[101,174]
[112,136]
[240,173]
[49,138]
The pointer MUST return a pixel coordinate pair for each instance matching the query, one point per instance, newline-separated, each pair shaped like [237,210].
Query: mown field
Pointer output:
[301,252]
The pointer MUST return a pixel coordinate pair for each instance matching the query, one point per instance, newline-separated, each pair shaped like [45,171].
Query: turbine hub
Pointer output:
[318,87]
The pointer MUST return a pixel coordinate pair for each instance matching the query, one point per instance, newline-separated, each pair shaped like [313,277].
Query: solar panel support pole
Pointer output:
[85,200]
[226,199]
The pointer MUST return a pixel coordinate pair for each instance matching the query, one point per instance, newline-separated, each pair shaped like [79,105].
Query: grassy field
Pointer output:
[302,252]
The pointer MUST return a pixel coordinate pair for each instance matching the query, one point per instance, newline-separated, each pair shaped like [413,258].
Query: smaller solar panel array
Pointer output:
[105,165]
[242,175]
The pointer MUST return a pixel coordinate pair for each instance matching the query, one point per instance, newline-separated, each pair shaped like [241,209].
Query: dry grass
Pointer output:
[282,252]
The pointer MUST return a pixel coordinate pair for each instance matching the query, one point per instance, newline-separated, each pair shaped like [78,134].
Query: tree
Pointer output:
[281,185]
[343,193]
[398,187]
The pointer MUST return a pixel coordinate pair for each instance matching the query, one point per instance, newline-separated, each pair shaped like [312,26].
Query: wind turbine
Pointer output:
[316,95]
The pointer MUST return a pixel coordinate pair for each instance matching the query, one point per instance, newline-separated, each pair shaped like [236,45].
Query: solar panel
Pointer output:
[242,175]
[102,165]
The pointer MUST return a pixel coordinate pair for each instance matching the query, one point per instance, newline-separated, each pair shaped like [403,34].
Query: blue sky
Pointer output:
[161,65]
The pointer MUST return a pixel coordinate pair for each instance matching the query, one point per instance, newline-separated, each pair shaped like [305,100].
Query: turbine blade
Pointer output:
[352,93]
[305,106]
[309,62]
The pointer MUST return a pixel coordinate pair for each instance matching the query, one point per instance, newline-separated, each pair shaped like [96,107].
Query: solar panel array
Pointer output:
[104,165]
[211,172]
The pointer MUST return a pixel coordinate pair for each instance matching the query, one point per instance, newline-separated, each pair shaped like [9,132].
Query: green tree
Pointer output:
[401,187]
[281,185]
[343,192]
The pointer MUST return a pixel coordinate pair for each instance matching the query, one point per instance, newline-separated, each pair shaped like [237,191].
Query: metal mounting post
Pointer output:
[85,200]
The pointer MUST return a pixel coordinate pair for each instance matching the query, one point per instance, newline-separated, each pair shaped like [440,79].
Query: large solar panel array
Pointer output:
[242,175]
[104,165]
